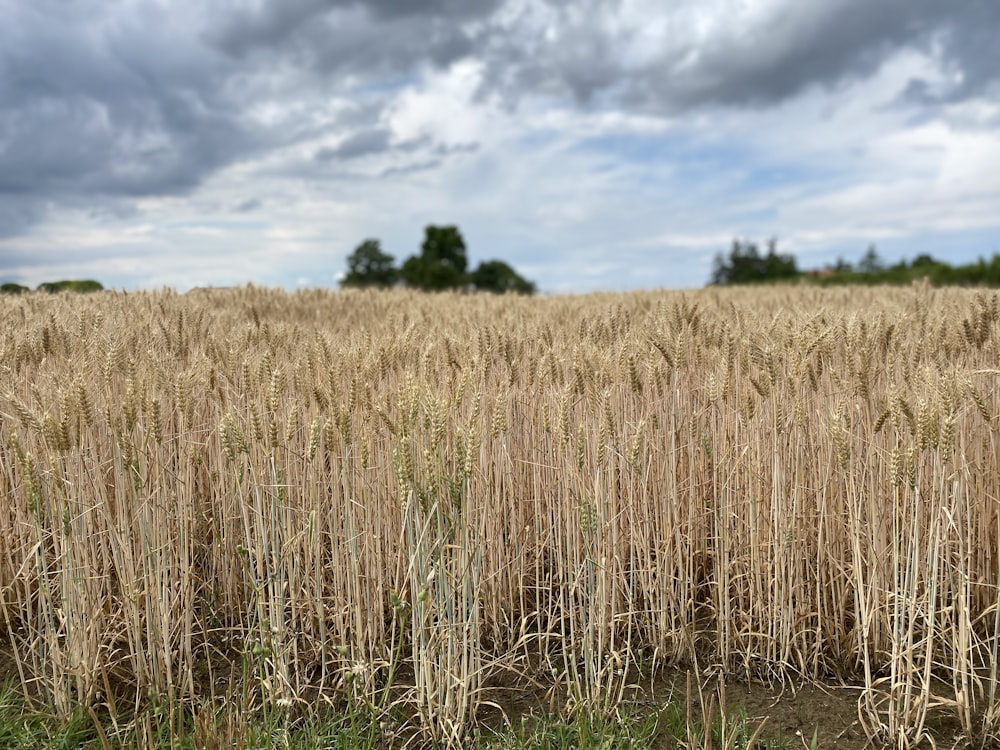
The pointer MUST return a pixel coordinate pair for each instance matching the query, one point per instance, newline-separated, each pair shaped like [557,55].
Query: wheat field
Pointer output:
[339,492]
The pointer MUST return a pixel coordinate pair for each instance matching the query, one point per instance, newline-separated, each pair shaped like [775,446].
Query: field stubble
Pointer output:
[399,499]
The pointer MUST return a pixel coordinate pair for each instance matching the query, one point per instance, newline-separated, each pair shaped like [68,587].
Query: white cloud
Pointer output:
[439,107]
[592,145]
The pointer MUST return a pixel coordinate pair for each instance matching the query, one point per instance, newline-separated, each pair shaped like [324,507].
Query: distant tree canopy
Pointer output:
[871,269]
[871,262]
[85,285]
[442,264]
[369,266]
[53,287]
[746,265]
[497,276]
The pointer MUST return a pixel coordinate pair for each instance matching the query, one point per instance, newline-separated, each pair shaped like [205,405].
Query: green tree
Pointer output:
[441,263]
[842,266]
[870,262]
[82,285]
[745,264]
[778,265]
[497,276]
[11,288]
[369,266]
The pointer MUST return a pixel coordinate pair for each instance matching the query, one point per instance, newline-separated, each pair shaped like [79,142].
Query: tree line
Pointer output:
[442,264]
[747,263]
[52,287]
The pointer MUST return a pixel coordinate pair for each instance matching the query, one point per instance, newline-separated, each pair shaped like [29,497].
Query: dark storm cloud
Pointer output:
[579,53]
[271,23]
[110,100]
[371,48]
[17,214]
[825,45]
[108,107]
[800,45]
[102,102]
[379,141]
[351,34]
[840,42]
[360,144]
[970,42]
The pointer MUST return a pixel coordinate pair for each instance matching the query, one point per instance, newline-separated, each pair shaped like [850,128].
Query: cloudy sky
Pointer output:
[592,144]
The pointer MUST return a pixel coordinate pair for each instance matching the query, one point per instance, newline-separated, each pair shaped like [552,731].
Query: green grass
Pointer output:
[636,727]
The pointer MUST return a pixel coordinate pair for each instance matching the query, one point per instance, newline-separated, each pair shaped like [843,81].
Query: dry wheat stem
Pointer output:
[318,486]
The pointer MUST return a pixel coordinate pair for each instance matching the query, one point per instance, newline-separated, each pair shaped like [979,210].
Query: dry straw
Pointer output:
[332,492]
